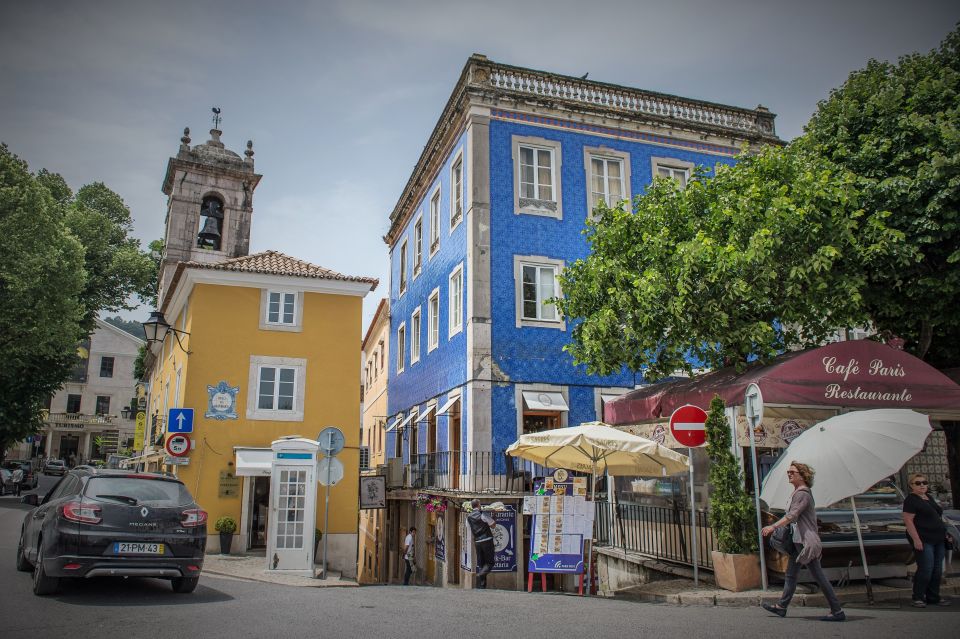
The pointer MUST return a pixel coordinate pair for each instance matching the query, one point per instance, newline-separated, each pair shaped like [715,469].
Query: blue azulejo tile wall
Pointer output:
[443,368]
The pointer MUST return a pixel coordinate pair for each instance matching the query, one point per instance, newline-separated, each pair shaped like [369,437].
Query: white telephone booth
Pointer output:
[293,504]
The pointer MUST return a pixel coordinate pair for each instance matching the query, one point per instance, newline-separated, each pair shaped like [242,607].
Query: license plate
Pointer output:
[136,548]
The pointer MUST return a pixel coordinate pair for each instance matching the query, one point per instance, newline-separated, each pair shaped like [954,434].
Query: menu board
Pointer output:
[562,519]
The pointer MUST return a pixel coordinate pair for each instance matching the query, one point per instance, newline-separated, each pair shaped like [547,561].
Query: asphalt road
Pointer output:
[221,607]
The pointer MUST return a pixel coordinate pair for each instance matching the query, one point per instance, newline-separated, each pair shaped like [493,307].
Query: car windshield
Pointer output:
[139,490]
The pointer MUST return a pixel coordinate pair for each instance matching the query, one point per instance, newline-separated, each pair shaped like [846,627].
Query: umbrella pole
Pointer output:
[863,553]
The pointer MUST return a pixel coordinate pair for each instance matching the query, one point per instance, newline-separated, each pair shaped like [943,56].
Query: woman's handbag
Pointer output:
[782,540]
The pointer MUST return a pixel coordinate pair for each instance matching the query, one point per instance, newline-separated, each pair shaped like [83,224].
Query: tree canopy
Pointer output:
[64,258]
[896,127]
[769,254]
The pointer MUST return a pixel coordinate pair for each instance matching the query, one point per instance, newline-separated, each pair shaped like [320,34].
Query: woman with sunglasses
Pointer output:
[927,533]
[802,512]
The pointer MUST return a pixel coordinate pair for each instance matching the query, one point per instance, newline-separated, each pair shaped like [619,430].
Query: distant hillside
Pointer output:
[134,328]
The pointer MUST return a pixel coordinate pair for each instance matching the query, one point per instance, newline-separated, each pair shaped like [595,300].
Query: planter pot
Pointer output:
[226,540]
[736,572]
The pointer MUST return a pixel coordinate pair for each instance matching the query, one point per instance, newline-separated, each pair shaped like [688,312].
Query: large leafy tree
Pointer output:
[897,128]
[42,278]
[766,255]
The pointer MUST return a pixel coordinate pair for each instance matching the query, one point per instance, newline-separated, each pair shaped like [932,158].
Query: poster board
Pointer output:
[562,520]
[504,541]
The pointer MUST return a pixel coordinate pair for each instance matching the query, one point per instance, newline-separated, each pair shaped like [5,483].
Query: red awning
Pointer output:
[855,374]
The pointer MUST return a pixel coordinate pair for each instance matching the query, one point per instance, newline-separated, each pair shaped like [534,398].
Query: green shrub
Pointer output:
[732,514]
[226,525]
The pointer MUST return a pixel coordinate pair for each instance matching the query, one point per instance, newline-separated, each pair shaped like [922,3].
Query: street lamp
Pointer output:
[156,329]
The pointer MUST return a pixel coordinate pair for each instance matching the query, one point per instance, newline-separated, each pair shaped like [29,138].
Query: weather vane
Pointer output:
[216,117]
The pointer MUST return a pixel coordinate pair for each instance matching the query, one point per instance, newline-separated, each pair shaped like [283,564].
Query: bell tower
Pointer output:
[209,193]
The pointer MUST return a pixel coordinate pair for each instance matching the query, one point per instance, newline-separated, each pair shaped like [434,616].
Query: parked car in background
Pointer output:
[6,482]
[30,476]
[113,523]
[55,467]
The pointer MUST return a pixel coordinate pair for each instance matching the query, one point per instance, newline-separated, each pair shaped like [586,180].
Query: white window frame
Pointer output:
[608,155]
[418,245]
[265,324]
[455,302]
[403,268]
[415,326]
[254,412]
[539,261]
[456,191]
[671,164]
[401,345]
[547,208]
[435,197]
[433,323]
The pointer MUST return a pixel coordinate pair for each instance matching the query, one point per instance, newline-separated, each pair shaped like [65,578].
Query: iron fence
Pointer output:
[472,471]
[658,531]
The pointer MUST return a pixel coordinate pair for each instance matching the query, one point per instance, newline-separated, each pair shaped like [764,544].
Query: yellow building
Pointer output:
[260,346]
[372,556]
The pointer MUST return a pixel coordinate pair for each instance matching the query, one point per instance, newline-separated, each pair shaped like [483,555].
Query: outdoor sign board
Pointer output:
[504,540]
[439,545]
[373,492]
[178,445]
[180,420]
[688,425]
[562,519]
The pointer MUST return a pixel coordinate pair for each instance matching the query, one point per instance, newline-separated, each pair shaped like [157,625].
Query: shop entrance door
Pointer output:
[69,445]
[259,512]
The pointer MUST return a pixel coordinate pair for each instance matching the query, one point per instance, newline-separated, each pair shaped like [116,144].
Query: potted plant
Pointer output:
[226,526]
[736,563]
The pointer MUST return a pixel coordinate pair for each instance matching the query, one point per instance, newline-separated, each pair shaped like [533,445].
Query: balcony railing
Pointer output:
[78,420]
[472,472]
[657,531]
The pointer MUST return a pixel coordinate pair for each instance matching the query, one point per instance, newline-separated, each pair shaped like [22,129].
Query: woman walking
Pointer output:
[927,534]
[801,512]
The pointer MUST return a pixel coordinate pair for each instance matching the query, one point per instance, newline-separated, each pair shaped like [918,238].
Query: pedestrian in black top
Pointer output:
[927,534]
[481,525]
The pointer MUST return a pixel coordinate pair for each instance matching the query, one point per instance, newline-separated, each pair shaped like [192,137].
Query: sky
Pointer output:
[339,97]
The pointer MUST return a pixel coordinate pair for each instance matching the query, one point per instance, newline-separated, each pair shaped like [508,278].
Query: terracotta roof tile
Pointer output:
[276,263]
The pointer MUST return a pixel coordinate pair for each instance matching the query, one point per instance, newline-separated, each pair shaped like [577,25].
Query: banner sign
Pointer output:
[562,518]
[504,540]
[439,545]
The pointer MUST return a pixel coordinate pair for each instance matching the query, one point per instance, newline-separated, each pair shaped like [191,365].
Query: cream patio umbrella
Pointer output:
[849,453]
[595,446]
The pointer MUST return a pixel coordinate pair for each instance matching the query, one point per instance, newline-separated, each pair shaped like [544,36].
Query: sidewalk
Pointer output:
[895,592]
[253,568]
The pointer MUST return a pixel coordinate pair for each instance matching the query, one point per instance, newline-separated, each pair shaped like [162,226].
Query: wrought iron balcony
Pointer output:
[78,421]
[471,472]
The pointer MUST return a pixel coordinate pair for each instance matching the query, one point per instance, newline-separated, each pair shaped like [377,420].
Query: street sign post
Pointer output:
[688,425]
[331,441]
[180,420]
[329,472]
[178,445]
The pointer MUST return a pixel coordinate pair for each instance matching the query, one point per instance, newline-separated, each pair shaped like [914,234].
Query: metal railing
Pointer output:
[657,531]
[78,420]
[472,472]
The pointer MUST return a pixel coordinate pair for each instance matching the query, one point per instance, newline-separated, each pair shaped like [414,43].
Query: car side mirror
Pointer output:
[32,500]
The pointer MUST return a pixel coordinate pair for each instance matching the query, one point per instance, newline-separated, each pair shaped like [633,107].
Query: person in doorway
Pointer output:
[409,554]
[927,533]
[801,512]
[481,525]
[17,479]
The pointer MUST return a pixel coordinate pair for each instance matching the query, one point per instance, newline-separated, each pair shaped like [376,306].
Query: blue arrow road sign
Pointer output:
[180,420]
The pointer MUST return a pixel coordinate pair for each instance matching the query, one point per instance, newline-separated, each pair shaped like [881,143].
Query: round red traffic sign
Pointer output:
[178,445]
[688,425]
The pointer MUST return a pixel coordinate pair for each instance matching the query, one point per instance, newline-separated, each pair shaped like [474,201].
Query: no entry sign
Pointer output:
[688,426]
[178,445]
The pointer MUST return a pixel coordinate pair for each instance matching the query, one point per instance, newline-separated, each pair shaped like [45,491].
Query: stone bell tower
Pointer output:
[209,193]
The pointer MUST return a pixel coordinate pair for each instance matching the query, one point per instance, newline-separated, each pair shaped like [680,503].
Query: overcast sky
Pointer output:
[339,97]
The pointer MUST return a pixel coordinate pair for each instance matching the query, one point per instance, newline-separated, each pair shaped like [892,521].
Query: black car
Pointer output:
[113,523]
[30,478]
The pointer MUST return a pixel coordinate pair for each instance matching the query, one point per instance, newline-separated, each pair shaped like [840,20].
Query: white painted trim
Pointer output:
[403,284]
[519,261]
[606,153]
[670,163]
[435,193]
[451,329]
[299,388]
[416,313]
[555,172]
[463,213]
[417,270]
[518,390]
[401,347]
[296,326]
[433,323]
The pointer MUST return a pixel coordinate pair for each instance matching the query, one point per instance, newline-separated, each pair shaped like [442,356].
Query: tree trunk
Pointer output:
[926,338]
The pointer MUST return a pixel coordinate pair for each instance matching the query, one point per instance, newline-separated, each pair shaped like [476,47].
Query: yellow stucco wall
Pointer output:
[225,333]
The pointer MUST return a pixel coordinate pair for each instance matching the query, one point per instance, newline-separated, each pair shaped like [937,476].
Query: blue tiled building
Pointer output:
[493,211]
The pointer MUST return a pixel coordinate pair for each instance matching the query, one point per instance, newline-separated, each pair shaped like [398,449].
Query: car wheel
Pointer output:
[42,584]
[22,564]
[184,584]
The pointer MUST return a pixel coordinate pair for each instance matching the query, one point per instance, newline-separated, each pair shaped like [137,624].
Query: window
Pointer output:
[364,457]
[106,367]
[73,403]
[401,346]
[415,336]
[672,168]
[433,320]
[435,221]
[103,404]
[417,246]
[281,310]
[455,293]
[275,390]
[536,281]
[403,267]
[280,307]
[456,191]
[381,349]
[279,384]
[608,176]
[536,176]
